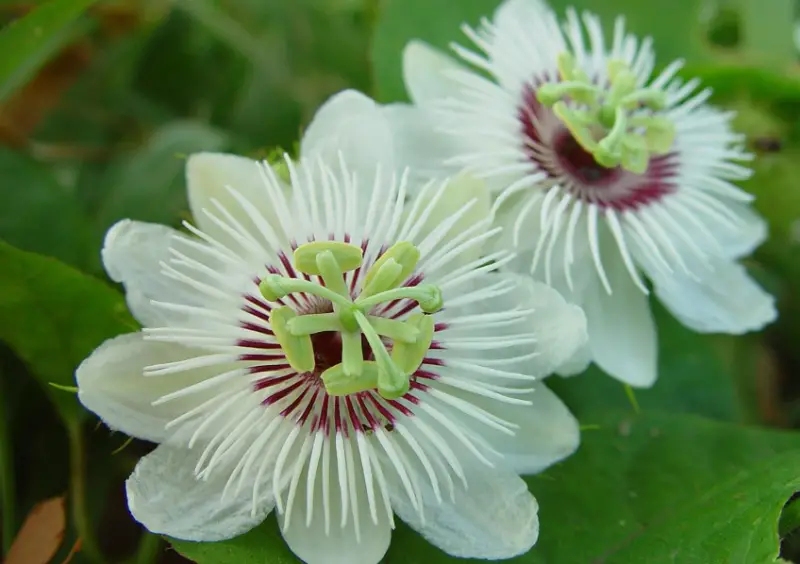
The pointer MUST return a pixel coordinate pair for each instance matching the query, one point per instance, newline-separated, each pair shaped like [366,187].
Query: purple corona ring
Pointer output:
[610,181]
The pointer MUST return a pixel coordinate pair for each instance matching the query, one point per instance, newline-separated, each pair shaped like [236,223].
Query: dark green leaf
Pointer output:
[39,213]
[28,43]
[53,316]
[262,544]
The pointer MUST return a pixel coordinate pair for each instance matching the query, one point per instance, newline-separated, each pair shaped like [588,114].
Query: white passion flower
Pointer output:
[328,350]
[606,175]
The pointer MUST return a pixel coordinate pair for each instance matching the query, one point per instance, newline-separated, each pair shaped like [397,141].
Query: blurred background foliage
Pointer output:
[100,102]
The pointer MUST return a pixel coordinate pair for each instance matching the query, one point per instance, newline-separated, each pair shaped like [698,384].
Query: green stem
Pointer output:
[7,480]
[77,479]
[149,549]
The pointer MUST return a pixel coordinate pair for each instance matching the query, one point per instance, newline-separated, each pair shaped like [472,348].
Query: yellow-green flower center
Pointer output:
[411,339]
[608,122]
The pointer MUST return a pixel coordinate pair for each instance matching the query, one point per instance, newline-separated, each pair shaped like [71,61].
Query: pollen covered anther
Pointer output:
[389,372]
[608,121]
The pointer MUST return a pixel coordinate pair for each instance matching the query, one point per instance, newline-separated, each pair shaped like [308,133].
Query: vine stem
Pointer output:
[149,548]
[7,491]
[77,479]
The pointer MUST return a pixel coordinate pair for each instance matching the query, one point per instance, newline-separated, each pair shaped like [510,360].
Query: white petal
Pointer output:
[132,253]
[527,33]
[340,546]
[418,145]
[622,334]
[425,70]
[726,301]
[353,124]
[165,496]
[461,191]
[741,239]
[207,177]
[112,385]
[560,328]
[546,432]
[496,517]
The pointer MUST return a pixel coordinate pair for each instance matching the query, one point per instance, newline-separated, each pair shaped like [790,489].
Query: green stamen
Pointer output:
[298,349]
[338,383]
[605,127]
[330,260]
[428,296]
[409,356]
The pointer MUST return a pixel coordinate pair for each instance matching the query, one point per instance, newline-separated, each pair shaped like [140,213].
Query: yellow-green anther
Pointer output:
[311,323]
[384,279]
[338,383]
[635,159]
[349,257]
[331,273]
[577,127]
[352,354]
[602,123]
[551,92]
[398,331]
[403,253]
[392,382]
[298,350]
[409,356]
[659,133]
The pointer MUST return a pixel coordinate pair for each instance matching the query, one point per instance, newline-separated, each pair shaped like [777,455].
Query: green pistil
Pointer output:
[411,339]
[605,127]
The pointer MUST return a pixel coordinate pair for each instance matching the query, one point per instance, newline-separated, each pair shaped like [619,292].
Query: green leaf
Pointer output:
[34,198]
[27,43]
[656,488]
[693,377]
[438,21]
[149,184]
[53,316]
[262,544]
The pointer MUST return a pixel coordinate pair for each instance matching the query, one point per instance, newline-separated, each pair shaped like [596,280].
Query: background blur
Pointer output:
[100,132]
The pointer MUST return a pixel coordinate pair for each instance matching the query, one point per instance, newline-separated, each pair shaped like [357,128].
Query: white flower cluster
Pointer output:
[363,330]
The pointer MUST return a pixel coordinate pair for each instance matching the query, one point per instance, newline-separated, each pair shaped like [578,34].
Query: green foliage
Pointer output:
[53,316]
[657,488]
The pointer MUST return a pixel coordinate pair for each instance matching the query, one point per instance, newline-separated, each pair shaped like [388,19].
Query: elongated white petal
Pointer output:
[111,383]
[496,517]
[727,300]
[622,334]
[168,499]
[426,72]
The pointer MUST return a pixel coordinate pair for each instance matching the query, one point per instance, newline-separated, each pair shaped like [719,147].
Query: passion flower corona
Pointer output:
[604,174]
[327,349]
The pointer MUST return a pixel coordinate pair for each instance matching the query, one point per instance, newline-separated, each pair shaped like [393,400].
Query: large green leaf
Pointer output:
[53,316]
[29,42]
[651,488]
[656,488]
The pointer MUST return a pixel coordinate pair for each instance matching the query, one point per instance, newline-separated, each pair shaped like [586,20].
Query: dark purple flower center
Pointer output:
[551,147]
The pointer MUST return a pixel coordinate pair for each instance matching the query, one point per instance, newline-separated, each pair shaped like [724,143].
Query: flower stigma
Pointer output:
[389,373]
[610,123]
